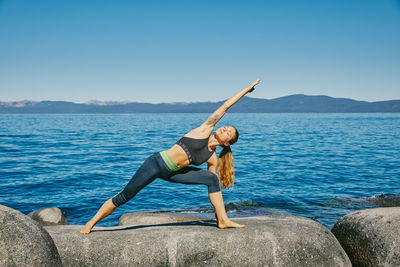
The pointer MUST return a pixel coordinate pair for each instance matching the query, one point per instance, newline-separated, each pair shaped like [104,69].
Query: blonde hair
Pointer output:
[226,172]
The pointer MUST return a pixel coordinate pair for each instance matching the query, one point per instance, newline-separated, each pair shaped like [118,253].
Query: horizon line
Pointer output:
[178,102]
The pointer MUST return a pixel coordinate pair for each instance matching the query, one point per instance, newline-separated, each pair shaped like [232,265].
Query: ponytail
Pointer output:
[226,172]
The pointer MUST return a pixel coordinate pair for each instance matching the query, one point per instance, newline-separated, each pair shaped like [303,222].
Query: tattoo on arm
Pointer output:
[213,120]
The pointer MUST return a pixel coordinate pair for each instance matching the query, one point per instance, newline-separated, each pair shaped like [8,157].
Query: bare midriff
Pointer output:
[178,156]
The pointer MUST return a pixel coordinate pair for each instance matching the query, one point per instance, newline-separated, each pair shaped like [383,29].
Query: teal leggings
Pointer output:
[155,167]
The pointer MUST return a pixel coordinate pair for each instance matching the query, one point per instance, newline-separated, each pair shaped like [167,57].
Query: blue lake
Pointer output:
[321,166]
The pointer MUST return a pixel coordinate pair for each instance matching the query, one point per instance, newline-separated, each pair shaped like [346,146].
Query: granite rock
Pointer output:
[371,237]
[49,216]
[276,240]
[24,242]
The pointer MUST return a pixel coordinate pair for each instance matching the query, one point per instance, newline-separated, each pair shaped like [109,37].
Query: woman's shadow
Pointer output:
[209,223]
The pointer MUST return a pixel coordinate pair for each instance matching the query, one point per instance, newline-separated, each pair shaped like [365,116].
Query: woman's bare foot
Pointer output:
[223,224]
[229,224]
[106,209]
[86,230]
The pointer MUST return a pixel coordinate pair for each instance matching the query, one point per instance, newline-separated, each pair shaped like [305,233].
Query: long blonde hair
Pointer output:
[226,172]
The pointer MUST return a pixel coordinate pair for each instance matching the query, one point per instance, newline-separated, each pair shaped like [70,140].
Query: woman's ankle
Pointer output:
[90,223]
[222,219]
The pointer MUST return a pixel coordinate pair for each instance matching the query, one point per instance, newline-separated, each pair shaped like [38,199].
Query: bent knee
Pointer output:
[213,185]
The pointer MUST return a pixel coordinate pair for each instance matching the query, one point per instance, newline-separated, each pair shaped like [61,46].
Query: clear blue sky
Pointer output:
[172,51]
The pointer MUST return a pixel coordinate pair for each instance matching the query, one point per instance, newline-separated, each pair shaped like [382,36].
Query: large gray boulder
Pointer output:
[371,237]
[23,242]
[152,218]
[276,240]
[49,216]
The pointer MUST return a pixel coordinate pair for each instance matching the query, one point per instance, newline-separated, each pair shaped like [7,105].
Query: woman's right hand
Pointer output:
[254,84]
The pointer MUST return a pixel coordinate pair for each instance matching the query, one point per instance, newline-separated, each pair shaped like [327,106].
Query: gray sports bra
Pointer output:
[196,149]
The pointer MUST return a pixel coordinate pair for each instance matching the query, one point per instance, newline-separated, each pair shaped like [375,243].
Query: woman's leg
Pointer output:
[220,214]
[146,173]
[106,209]
[192,175]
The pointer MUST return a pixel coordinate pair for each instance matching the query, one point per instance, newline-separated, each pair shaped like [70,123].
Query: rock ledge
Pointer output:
[276,240]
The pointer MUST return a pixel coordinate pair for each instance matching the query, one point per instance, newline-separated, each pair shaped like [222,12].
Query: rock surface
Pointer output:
[152,218]
[23,242]
[371,237]
[276,240]
[49,216]
[385,200]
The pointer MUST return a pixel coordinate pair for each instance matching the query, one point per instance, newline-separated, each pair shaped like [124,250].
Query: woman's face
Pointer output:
[225,134]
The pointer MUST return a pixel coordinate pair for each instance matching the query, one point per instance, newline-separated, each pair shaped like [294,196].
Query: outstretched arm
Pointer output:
[220,112]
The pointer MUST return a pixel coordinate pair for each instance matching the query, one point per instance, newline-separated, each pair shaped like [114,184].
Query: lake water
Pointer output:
[321,166]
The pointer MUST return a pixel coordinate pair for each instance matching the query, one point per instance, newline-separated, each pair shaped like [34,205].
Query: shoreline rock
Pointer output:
[371,237]
[49,216]
[275,240]
[24,242]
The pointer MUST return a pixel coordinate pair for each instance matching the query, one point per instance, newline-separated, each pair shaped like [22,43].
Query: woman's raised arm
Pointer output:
[220,112]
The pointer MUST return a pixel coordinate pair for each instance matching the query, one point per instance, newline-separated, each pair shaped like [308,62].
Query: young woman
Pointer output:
[195,147]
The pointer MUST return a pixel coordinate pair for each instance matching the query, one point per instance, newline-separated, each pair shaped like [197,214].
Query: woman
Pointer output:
[197,147]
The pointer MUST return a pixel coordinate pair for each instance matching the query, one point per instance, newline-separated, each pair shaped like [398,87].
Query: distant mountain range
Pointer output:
[288,104]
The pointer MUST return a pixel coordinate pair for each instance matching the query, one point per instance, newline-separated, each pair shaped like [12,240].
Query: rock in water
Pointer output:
[49,216]
[23,242]
[386,200]
[152,218]
[276,240]
[371,237]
